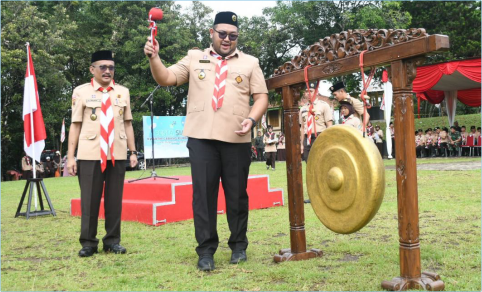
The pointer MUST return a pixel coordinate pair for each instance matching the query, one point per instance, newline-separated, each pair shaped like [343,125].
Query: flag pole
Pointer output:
[32,130]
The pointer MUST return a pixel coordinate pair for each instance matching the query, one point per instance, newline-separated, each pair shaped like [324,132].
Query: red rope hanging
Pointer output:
[366,83]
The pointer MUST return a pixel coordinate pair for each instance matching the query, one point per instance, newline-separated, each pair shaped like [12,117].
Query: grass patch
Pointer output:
[41,253]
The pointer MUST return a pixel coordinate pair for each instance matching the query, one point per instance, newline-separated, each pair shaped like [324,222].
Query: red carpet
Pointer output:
[160,201]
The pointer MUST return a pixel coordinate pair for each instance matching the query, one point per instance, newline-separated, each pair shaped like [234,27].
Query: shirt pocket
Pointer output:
[88,136]
[196,107]
[119,109]
[240,111]
[204,73]
[92,111]
[239,77]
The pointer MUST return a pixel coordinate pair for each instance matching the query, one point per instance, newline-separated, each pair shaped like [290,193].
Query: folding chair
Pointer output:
[469,144]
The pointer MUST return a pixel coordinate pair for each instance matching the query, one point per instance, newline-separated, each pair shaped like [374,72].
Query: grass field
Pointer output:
[41,253]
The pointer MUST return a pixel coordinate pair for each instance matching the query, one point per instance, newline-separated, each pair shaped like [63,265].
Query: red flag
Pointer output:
[33,122]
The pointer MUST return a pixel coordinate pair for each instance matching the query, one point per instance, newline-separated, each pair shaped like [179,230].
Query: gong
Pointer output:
[345,179]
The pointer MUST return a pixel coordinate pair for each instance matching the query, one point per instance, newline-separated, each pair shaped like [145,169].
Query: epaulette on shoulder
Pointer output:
[81,86]
[120,85]
[196,48]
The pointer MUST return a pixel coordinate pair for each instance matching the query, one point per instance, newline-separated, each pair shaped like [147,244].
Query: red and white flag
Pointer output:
[62,132]
[33,121]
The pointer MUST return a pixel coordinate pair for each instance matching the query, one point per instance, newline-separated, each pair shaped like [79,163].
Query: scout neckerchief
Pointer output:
[345,119]
[220,81]
[27,160]
[310,124]
[106,127]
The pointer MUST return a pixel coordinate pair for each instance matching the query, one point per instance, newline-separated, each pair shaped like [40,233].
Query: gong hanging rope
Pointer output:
[364,90]
[311,124]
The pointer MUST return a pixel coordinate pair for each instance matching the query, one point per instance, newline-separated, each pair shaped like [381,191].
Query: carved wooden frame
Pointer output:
[403,51]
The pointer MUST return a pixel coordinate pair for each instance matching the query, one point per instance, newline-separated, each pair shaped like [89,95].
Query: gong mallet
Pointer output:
[154,14]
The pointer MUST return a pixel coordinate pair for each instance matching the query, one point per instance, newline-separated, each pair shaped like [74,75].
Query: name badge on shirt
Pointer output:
[204,61]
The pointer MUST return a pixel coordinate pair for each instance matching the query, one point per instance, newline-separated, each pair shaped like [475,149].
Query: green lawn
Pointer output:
[41,253]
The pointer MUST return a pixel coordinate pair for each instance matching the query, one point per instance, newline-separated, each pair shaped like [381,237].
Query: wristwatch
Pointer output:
[134,152]
[254,122]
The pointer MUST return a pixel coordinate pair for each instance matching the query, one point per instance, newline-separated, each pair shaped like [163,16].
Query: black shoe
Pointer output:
[115,248]
[88,251]
[205,262]
[307,201]
[238,256]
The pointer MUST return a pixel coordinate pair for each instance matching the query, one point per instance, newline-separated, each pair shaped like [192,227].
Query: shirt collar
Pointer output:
[235,53]
[96,85]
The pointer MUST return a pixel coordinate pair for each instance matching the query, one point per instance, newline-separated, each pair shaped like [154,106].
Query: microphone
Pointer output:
[154,14]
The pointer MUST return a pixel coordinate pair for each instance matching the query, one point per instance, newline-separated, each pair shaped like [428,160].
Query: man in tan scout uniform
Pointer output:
[339,92]
[85,136]
[218,123]
[323,118]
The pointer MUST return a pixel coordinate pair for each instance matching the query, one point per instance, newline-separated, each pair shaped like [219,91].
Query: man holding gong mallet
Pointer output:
[218,123]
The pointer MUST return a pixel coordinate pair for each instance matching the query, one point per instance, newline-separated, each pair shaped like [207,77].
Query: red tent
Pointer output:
[451,80]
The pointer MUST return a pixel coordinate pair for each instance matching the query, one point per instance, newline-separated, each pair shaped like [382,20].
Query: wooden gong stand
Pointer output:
[403,51]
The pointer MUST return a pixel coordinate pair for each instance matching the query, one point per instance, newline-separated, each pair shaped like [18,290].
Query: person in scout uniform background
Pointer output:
[322,115]
[218,124]
[340,94]
[419,142]
[270,142]
[348,116]
[101,131]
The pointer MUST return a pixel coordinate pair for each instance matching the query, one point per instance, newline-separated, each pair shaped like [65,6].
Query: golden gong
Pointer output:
[345,179]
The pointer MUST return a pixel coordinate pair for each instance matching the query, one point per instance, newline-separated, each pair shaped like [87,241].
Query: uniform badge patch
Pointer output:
[201,75]
[121,111]
[93,117]
[239,79]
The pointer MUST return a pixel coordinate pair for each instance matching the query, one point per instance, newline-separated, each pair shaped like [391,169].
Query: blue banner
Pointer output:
[168,139]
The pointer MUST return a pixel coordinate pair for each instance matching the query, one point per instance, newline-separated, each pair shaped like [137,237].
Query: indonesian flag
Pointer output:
[33,122]
[62,132]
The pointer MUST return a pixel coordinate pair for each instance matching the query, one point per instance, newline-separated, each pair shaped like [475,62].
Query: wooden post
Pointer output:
[403,72]
[295,176]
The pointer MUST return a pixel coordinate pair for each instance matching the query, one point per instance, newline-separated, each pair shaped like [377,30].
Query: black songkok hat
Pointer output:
[227,17]
[102,55]
[337,86]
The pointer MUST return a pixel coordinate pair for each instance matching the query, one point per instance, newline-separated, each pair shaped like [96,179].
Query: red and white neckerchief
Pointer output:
[220,81]
[106,128]
[27,160]
[345,119]
[438,140]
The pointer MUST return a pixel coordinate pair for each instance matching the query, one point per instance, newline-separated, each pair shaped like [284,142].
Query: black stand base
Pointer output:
[153,175]
[32,182]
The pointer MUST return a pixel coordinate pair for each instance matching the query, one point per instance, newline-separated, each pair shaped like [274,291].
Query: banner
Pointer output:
[168,139]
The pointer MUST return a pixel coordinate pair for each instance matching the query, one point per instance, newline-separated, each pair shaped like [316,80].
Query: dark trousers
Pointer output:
[260,153]
[380,148]
[91,180]
[306,147]
[271,159]
[211,160]
[393,147]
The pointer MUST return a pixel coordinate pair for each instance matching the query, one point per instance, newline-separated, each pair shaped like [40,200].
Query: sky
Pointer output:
[241,8]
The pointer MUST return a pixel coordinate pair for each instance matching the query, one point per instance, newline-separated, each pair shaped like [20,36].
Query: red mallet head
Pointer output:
[155,14]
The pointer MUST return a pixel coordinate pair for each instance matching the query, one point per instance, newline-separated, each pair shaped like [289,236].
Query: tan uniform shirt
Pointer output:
[429,139]
[244,79]
[353,121]
[85,99]
[269,147]
[444,137]
[25,166]
[420,140]
[380,136]
[281,143]
[323,114]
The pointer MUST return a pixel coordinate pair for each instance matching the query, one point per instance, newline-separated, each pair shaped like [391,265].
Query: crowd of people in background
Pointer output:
[445,142]
[269,147]
[49,166]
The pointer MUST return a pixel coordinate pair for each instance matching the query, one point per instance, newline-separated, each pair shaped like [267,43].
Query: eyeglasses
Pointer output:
[105,67]
[222,35]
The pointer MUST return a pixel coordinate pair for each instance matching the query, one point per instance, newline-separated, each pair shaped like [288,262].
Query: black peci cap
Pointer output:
[227,17]
[337,86]
[102,55]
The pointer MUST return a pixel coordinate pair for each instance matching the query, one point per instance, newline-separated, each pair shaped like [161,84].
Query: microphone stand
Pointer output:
[153,172]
